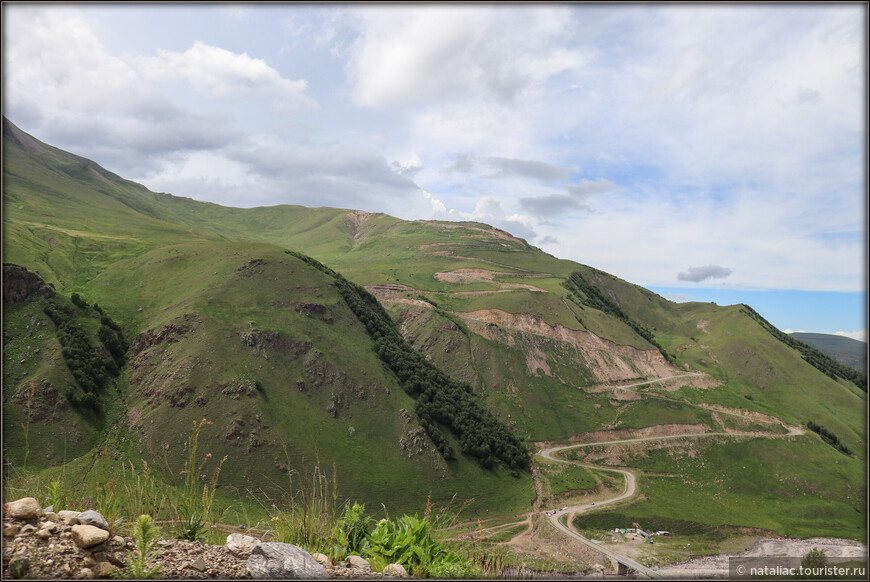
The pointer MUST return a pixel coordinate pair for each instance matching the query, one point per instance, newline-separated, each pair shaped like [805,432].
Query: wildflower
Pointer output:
[276,518]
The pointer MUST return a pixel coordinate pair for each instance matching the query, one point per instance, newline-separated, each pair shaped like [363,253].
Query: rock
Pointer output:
[322,558]
[358,562]
[85,573]
[94,518]
[89,562]
[88,536]
[50,508]
[18,567]
[397,570]
[43,534]
[198,564]
[119,541]
[104,570]
[24,508]
[241,545]
[27,529]
[278,560]
[68,516]
[10,530]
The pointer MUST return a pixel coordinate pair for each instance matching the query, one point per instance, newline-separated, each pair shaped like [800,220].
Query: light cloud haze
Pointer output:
[722,146]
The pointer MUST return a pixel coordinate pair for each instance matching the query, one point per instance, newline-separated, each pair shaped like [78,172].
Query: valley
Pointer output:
[330,356]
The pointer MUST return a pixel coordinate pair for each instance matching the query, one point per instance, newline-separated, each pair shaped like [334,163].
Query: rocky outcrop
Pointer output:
[19,284]
[274,560]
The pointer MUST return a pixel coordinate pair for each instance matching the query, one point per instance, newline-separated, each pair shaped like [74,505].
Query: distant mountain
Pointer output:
[845,350]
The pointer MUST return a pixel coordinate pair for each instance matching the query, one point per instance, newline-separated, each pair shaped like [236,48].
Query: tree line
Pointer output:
[829,437]
[441,401]
[91,370]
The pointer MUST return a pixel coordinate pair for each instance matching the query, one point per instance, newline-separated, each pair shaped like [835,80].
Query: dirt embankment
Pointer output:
[470,275]
[659,430]
[602,356]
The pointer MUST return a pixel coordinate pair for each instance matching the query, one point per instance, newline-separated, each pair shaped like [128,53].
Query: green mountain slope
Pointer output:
[225,323]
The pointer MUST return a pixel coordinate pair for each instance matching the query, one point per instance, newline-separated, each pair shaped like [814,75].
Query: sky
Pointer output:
[708,152]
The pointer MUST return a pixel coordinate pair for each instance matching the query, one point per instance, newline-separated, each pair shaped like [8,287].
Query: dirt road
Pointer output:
[630,481]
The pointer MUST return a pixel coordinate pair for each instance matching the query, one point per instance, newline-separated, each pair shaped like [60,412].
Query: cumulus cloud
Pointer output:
[217,71]
[698,274]
[408,55]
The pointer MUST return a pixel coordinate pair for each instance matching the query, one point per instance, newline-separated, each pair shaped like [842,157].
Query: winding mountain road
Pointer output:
[630,481]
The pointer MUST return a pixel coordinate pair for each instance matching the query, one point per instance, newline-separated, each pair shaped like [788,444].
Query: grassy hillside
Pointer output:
[226,322]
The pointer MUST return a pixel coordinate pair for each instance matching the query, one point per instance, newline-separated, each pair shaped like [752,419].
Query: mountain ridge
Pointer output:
[488,309]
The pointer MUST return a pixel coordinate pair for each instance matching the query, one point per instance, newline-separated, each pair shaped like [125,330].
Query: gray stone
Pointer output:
[322,558]
[68,517]
[86,573]
[397,570]
[198,564]
[273,560]
[358,562]
[27,529]
[88,536]
[241,545]
[94,518]
[24,508]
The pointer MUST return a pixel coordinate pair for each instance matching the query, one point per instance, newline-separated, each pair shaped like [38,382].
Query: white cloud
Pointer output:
[856,335]
[216,71]
[436,54]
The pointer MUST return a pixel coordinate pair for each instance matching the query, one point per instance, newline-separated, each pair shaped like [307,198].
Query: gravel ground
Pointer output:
[44,550]
[717,566]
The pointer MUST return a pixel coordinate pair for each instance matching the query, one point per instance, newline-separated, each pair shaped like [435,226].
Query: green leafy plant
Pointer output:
[409,541]
[55,497]
[350,535]
[145,533]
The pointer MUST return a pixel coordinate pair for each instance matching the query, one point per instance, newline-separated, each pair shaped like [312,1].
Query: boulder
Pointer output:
[272,560]
[94,518]
[24,508]
[396,570]
[68,517]
[358,562]
[87,536]
[241,545]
